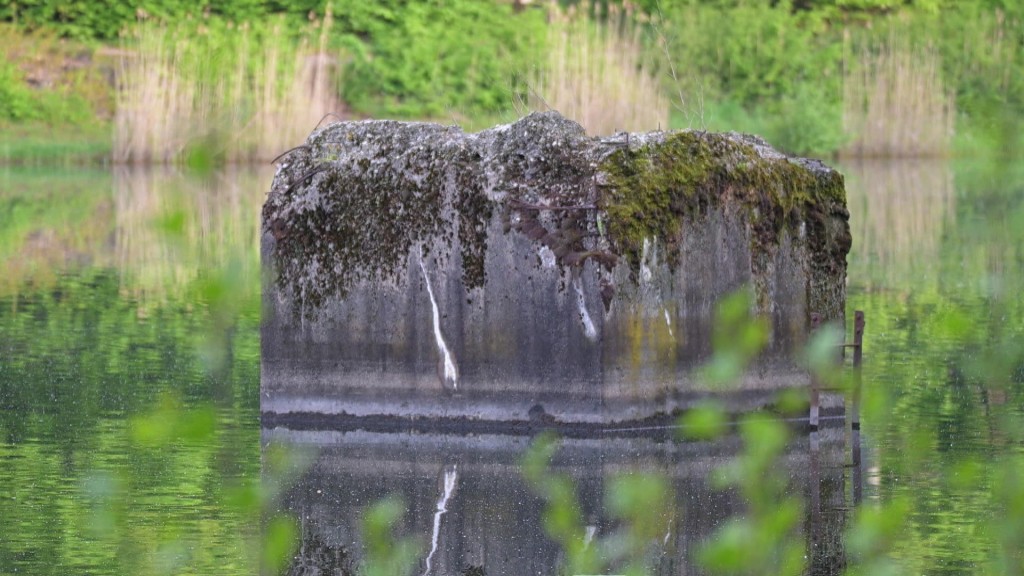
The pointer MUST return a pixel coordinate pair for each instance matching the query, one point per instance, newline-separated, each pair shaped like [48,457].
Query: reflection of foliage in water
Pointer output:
[944,365]
[174,228]
[141,369]
[50,220]
[162,229]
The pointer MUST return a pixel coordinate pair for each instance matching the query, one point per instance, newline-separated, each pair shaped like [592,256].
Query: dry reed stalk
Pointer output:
[895,103]
[596,75]
[243,103]
[151,102]
[292,99]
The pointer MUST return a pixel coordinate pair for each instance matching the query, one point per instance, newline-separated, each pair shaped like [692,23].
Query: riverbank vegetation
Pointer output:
[174,80]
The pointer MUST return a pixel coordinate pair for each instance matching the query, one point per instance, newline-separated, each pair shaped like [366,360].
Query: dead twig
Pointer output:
[289,151]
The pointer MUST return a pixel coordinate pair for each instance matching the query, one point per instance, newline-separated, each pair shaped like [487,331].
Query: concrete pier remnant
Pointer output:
[531,276]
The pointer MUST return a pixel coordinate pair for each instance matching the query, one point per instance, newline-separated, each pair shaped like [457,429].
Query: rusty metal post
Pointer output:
[815,384]
[858,470]
[858,355]
[858,352]
[814,462]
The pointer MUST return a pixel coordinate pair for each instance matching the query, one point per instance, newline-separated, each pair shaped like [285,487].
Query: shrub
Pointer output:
[430,59]
[596,74]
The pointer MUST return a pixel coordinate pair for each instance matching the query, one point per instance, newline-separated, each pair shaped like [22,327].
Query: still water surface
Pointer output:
[130,440]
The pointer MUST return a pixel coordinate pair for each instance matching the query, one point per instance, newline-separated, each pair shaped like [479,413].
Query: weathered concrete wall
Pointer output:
[494,521]
[530,273]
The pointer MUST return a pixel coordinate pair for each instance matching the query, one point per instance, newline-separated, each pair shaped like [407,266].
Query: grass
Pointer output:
[221,94]
[36,143]
[55,102]
[596,74]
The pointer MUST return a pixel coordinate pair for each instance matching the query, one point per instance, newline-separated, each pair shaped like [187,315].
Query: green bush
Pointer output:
[759,67]
[433,59]
[105,19]
[16,101]
[21,103]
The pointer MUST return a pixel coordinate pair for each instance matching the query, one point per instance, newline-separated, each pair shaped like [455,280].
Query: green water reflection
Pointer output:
[123,291]
[938,267]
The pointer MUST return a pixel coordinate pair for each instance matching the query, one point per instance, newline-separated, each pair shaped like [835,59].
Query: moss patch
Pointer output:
[649,190]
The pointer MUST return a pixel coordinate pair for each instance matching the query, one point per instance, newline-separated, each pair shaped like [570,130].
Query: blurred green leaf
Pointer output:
[875,528]
[737,338]
[385,554]
[706,421]
[792,402]
[279,543]
[172,224]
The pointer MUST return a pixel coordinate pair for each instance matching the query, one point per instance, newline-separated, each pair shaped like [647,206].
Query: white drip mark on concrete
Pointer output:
[547,257]
[589,536]
[588,325]
[451,477]
[645,270]
[451,374]
[664,541]
[668,322]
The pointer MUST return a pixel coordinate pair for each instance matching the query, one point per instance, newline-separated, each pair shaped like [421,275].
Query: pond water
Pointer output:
[130,438]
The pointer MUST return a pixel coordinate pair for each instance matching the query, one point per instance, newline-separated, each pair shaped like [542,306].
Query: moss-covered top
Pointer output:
[650,188]
[359,198]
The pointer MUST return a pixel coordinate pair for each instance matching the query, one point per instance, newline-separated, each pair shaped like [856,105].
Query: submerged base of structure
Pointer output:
[662,426]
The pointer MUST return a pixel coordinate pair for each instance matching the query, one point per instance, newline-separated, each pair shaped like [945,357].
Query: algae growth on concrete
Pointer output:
[530,265]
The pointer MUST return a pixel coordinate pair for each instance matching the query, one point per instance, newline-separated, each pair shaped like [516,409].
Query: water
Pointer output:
[129,412]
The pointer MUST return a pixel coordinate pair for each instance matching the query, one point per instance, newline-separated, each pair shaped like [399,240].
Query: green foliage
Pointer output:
[20,103]
[761,66]
[563,518]
[106,19]
[758,52]
[704,422]
[386,555]
[433,59]
[16,100]
[642,502]
[764,540]
[870,538]
[738,338]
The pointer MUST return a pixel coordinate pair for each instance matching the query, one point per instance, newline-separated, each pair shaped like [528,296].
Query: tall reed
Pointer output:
[233,93]
[596,74]
[895,102]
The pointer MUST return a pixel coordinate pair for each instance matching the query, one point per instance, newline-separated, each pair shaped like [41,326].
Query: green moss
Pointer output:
[652,188]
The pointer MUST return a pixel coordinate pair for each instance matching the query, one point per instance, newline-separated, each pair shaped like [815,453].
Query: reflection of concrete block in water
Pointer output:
[467,503]
[529,273]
